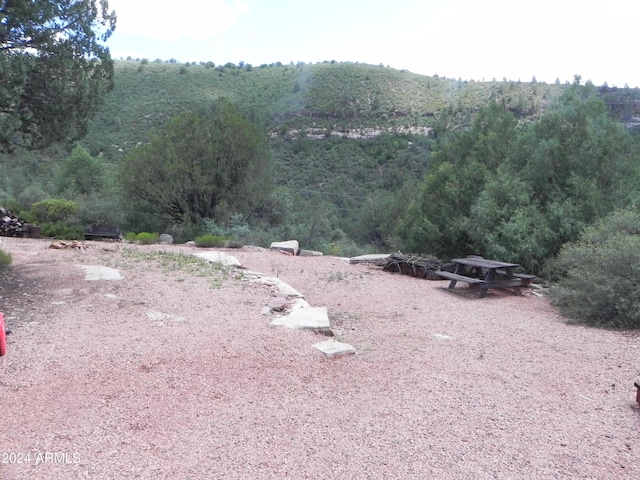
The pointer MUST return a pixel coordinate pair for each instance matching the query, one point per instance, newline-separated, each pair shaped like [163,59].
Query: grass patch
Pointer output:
[169,262]
[5,259]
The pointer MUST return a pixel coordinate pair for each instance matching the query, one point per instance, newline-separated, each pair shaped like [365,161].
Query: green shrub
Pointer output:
[52,211]
[146,238]
[237,227]
[5,259]
[61,231]
[599,275]
[130,237]
[211,241]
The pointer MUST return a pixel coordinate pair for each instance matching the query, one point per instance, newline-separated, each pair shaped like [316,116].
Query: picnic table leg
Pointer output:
[489,277]
[458,271]
[510,276]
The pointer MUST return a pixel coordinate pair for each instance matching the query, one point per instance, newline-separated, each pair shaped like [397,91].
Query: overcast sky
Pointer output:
[468,39]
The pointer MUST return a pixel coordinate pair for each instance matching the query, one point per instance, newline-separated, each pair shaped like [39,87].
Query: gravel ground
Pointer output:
[174,374]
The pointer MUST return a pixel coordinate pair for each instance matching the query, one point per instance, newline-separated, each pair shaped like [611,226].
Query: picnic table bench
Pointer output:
[98,232]
[486,274]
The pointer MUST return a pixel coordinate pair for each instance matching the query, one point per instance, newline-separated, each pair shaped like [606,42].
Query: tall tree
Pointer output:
[54,69]
[437,221]
[200,166]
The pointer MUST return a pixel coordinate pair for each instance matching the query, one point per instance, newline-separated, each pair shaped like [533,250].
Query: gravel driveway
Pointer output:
[174,372]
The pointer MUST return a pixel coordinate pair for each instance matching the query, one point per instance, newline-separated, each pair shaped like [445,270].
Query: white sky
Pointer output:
[468,39]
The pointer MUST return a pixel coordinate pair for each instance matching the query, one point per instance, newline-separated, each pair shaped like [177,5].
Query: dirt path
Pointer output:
[173,372]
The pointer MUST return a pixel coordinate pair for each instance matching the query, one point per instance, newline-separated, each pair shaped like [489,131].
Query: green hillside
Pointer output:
[327,97]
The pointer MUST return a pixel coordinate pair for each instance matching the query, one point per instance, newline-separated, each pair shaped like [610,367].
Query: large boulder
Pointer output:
[165,239]
[292,247]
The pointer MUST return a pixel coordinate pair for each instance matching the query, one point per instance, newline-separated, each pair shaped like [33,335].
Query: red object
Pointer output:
[3,336]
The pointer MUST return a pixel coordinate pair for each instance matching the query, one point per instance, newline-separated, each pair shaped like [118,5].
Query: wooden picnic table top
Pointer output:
[484,263]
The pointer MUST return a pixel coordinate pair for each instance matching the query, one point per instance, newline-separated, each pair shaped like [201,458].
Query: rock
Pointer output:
[334,349]
[311,318]
[165,239]
[278,303]
[255,248]
[440,336]
[297,303]
[221,258]
[284,289]
[374,258]
[310,253]
[190,243]
[291,247]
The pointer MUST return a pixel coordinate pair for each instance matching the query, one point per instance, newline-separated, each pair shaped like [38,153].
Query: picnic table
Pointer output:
[484,274]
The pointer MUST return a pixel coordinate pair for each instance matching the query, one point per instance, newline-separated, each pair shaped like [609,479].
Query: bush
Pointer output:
[237,227]
[61,231]
[146,238]
[209,241]
[599,275]
[5,259]
[52,211]
[130,237]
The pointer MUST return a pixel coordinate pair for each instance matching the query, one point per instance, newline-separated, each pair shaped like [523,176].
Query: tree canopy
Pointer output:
[200,165]
[54,69]
[519,192]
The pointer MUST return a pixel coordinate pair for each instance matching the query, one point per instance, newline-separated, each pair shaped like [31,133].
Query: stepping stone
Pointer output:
[311,318]
[335,349]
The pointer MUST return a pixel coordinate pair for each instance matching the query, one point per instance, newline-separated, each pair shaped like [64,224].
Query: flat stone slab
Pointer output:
[219,257]
[439,336]
[311,318]
[375,258]
[94,273]
[310,253]
[334,349]
[284,289]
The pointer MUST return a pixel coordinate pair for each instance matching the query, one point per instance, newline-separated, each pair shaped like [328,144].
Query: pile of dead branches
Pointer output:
[414,265]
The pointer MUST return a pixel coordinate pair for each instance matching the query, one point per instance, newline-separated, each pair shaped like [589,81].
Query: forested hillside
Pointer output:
[320,99]
[362,157]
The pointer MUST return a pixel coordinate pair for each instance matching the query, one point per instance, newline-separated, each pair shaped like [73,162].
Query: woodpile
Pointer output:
[62,244]
[414,265]
[12,226]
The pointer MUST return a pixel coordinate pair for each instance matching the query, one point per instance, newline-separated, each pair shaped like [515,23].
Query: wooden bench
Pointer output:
[454,277]
[525,278]
[98,232]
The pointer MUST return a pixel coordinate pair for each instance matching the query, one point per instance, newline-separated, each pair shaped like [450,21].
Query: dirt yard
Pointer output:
[174,372]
